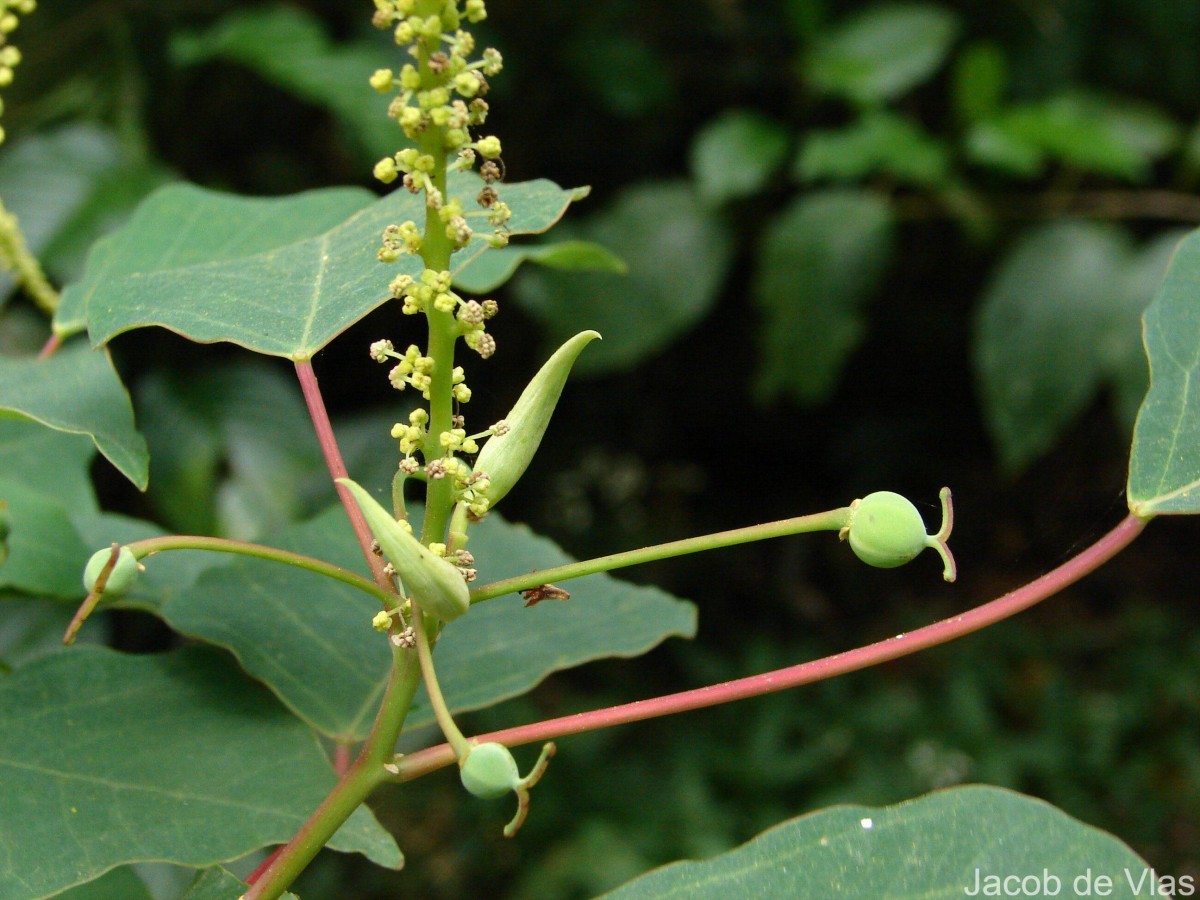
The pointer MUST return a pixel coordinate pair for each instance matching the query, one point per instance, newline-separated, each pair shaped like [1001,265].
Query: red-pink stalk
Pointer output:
[424,761]
[337,468]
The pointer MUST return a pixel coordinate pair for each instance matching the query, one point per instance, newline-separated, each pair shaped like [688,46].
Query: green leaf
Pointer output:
[934,846]
[1164,467]
[107,759]
[678,253]
[1058,321]
[67,186]
[121,883]
[880,143]
[289,47]
[496,267]
[882,52]
[311,641]
[50,462]
[45,552]
[30,629]
[277,276]
[232,450]
[220,884]
[627,76]
[78,391]
[980,81]
[821,260]
[1083,131]
[735,154]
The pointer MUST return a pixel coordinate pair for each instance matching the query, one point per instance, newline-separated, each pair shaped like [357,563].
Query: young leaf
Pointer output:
[941,845]
[1164,467]
[78,391]
[822,258]
[735,154]
[95,743]
[882,52]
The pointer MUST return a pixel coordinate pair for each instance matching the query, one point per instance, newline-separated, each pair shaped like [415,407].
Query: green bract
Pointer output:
[120,579]
[505,457]
[885,530]
[489,771]
[436,585]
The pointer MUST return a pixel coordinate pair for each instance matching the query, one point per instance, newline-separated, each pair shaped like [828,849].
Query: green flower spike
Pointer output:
[885,530]
[489,771]
[436,585]
[505,457]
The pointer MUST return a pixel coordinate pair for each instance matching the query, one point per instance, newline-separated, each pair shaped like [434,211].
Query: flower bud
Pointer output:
[124,573]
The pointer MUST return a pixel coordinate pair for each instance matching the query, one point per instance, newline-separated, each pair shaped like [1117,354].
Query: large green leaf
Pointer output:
[220,884]
[1164,468]
[882,51]
[311,639]
[107,759]
[78,391]
[821,260]
[53,463]
[45,552]
[1058,321]
[735,154]
[282,277]
[289,47]
[946,844]
[678,253]
[117,884]
[231,449]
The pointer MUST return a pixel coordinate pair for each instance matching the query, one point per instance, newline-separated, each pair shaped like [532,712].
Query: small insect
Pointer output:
[536,595]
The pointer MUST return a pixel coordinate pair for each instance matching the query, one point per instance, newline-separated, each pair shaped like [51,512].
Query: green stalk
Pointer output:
[440,710]
[363,776]
[831,520]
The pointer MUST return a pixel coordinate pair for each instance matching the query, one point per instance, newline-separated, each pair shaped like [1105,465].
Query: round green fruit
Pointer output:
[120,579]
[489,771]
[886,530]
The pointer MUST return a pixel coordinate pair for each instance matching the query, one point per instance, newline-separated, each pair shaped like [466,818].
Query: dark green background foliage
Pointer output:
[869,246]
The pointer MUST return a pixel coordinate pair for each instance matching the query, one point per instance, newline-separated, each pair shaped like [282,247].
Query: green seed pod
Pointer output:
[885,530]
[435,584]
[505,457]
[120,579]
[489,771]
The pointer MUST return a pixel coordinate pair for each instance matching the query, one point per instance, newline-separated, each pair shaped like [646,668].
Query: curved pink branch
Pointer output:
[416,764]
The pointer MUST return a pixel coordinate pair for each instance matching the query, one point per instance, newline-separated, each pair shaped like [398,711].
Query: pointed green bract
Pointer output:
[436,585]
[505,457]
[1164,466]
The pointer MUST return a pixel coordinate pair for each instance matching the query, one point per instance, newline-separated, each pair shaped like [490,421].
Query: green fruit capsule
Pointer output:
[435,584]
[505,457]
[885,530]
[120,579]
[489,771]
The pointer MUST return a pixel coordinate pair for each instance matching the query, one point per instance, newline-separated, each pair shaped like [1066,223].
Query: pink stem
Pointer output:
[337,469]
[424,761]
[51,346]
